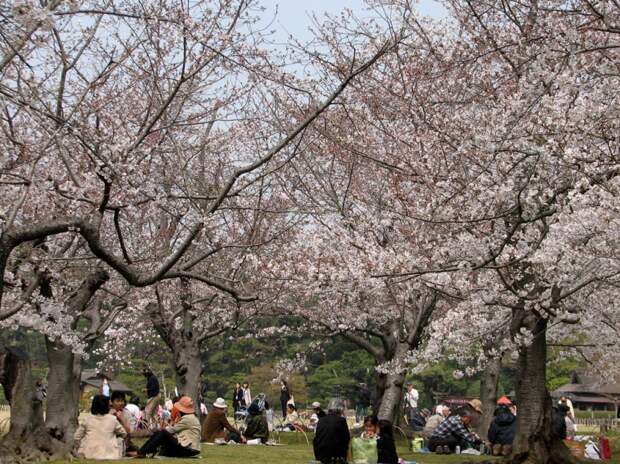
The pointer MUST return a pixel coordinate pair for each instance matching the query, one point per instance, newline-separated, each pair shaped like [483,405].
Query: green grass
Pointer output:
[293,450]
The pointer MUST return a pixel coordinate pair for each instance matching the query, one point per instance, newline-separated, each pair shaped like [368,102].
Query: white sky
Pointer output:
[293,16]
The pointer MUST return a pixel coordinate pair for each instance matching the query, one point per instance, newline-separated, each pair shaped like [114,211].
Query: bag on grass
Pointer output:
[603,445]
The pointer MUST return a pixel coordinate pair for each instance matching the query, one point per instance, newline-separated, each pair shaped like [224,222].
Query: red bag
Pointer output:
[604,448]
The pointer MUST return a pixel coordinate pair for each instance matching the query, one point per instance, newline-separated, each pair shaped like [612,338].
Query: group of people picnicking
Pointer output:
[180,429]
[447,431]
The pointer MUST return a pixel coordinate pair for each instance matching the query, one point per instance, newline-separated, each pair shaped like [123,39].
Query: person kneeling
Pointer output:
[257,426]
[454,432]
[180,440]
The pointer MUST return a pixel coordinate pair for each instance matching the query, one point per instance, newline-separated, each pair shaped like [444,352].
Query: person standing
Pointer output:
[105,388]
[237,398]
[411,402]
[331,441]
[285,396]
[152,394]
[247,395]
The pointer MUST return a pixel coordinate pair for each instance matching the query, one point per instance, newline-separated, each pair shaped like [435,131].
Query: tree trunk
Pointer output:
[187,369]
[379,392]
[488,395]
[392,397]
[534,442]
[27,439]
[63,393]
[393,394]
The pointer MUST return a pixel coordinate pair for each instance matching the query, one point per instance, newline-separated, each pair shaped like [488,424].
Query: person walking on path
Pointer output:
[152,394]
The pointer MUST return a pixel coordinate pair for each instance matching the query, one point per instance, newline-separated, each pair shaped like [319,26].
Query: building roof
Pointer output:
[592,399]
[602,389]
[95,379]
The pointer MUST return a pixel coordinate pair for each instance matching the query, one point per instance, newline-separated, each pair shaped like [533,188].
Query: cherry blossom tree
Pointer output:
[126,131]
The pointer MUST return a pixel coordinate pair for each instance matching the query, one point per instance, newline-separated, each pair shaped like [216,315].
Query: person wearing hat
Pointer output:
[503,429]
[317,413]
[179,440]
[454,431]
[257,426]
[217,427]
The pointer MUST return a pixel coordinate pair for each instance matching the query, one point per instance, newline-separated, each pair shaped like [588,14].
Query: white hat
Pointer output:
[220,403]
[316,404]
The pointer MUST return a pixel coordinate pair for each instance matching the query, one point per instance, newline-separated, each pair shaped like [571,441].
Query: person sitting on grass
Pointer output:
[292,419]
[179,440]
[454,432]
[97,437]
[257,426]
[217,429]
[364,448]
[386,448]
[331,441]
[502,430]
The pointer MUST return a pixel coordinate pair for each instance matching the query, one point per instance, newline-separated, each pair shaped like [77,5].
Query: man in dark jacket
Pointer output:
[331,441]
[558,422]
[152,394]
[502,431]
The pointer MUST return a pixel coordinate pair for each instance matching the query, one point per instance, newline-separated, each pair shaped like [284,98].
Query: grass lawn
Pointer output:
[294,450]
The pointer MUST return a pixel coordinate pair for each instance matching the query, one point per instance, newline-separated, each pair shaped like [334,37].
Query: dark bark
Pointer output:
[187,370]
[534,442]
[488,395]
[63,394]
[27,439]
[65,367]
[392,397]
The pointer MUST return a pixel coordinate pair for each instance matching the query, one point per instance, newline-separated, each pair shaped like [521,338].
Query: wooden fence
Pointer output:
[604,424]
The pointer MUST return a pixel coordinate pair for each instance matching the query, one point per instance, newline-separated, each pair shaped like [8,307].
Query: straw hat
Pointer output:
[185,405]
[316,404]
[477,405]
[220,403]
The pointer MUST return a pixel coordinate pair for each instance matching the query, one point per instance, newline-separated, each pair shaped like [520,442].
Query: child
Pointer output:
[386,449]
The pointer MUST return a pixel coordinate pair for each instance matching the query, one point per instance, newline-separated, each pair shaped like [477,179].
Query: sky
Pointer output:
[293,16]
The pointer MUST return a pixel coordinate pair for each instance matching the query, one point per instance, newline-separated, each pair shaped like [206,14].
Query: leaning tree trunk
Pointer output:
[187,369]
[393,393]
[27,439]
[63,393]
[488,395]
[392,397]
[534,442]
